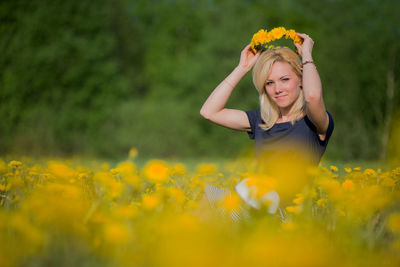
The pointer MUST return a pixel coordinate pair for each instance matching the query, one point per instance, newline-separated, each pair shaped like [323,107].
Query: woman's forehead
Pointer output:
[279,69]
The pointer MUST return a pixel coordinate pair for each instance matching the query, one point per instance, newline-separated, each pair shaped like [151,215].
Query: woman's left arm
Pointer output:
[312,87]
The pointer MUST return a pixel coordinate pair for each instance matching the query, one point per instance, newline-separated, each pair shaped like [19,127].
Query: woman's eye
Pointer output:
[268,83]
[285,79]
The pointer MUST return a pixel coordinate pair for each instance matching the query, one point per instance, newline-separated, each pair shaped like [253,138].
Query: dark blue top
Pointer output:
[283,135]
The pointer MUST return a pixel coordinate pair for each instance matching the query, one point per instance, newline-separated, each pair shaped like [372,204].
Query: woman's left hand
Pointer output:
[305,49]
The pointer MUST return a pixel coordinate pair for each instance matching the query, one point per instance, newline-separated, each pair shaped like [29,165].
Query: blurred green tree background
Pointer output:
[98,77]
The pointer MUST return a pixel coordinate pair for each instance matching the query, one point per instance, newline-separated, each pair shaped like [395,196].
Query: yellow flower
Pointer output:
[176,194]
[5,188]
[133,180]
[206,168]
[3,167]
[126,212]
[150,202]
[105,166]
[332,188]
[333,168]
[261,39]
[126,168]
[347,170]
[133,152]
[293,209]
[156,171]
[231,202]
[388,182]
[357,169]
[61,170]
[116,233]
[290,34]
[298,40]
[114,171]
[289,226]
[341,213]
[178,169]
[277,33]
[110,186]
[260,185]
[299,199]
[14,164]
[393,222]
[370,173]
[322,202]
[348,185]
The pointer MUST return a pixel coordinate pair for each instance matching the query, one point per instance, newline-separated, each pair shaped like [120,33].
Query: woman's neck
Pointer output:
[287,116]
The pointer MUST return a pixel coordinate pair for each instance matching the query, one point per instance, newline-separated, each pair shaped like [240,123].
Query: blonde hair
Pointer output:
[269,110]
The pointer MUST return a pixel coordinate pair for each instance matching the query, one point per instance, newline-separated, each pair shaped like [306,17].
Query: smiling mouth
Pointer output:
[280,96]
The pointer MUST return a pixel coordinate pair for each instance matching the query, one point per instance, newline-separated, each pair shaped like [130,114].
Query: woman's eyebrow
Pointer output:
[280,77]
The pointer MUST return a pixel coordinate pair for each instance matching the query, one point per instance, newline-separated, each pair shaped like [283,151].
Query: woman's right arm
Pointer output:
[214,107]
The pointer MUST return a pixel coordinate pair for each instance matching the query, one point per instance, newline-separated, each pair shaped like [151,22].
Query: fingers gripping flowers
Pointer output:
[262,38]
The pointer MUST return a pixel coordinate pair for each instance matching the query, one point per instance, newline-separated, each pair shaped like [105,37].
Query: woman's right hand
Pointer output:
[248,58]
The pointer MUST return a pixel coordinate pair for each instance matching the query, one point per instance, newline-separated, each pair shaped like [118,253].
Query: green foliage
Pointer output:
[98,78]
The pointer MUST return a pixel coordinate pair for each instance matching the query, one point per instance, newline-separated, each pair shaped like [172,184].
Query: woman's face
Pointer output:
[283,85]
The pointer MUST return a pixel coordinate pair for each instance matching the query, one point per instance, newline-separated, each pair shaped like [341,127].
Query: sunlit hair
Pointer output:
[269,110]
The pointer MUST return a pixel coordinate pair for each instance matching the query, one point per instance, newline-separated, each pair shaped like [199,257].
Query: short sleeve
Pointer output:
[253,116]
[329,131]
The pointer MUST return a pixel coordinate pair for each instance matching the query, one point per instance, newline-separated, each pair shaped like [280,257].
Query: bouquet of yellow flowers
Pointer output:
[261,39]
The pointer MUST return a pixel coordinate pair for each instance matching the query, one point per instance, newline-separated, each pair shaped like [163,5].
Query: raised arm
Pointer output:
[214,107]
[312,87]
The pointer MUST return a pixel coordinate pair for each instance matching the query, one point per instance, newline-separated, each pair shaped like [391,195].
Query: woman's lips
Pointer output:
[280,96]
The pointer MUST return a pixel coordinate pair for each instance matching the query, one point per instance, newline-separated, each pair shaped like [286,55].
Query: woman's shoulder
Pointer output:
[254,116]
[312,126]
[329,130]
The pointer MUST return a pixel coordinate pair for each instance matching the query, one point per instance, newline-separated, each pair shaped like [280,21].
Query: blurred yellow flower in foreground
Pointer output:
[231,202]
[151,202]
[388,182]
[348,185]
[116,233]
[161,216]
[293,209]
[178,169]
[126,168]
[206,168]
[14,164]
[322,202]
[156,171]
[61,170]
[393,222]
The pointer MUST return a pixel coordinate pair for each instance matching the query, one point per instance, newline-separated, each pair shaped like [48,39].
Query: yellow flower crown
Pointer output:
[261,39]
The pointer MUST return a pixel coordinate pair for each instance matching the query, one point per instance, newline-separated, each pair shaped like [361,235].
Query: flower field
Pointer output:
[60,213]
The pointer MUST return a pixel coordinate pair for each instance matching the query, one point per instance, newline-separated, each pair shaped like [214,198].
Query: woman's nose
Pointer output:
[278,88]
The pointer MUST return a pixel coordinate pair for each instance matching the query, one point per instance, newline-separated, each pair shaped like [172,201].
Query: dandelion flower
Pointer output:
[388,182]
[333,168]
[322,202]
[393,222]
[14,164]
[293,209]
[156,171]
[133,152]
[348,185]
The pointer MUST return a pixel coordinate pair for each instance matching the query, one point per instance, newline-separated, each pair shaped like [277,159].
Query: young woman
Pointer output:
[292,109]
[292,116]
